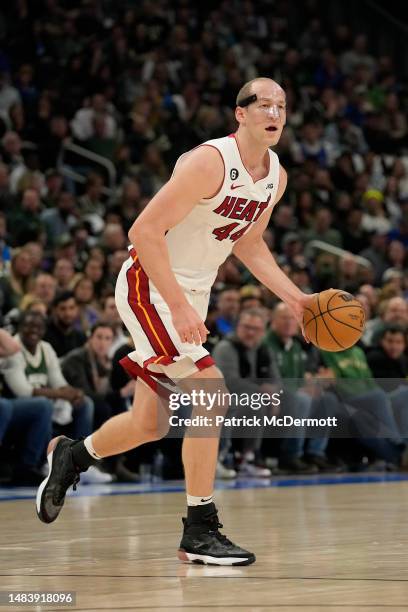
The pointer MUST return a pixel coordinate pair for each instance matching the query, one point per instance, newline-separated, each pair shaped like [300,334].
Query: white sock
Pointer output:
[89,447]
[199,500]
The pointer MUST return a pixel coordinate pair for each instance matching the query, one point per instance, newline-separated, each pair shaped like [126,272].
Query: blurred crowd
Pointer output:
[97,101]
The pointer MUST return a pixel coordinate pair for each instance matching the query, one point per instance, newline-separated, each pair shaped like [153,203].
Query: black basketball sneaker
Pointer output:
[62,474]
[203,543]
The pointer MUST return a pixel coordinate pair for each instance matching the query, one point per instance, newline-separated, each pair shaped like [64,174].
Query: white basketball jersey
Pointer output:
[204,239]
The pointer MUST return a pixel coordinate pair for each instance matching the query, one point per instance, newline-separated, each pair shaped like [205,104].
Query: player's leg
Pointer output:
[146,422]
[202,542]
[68,458]
[199,473]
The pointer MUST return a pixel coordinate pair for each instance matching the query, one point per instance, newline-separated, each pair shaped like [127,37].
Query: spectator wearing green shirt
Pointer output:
[298,454]
[375,409]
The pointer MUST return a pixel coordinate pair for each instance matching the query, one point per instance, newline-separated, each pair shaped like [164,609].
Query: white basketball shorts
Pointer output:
[159,352]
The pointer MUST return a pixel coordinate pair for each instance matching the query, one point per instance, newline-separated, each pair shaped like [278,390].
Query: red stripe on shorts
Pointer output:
[146,313]
[135,371]
[158,324]
[205,362]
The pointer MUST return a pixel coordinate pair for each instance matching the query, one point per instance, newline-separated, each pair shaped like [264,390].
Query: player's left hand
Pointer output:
[298,310]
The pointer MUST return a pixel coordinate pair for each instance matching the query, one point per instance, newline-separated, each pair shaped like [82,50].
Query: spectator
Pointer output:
[90,204]
[54,186]
[27,175]
[88,368]
[61,333]
[300,275]
[6,197]
[44,287]
[250,297]
[386,414]
[228,308]
[83,124]
[355,238]
[36,253]
[376,253]
[24,423]
[292,247]
[395,120]
[374,218]
[396,255]
[393,311]
[100,142]
[33,304]
[283,220]
[94,270]
[304,209]
[313,146]
[297,455]
[392,282]
[388,359]
[64,274]
[322,229]
[349,274]
[110,315]
[115,261]
[130,203]
[35,371]
[243,360]
[5,251]
[18,281]
[12,150]
[113,239]
[84,296]
[56,133]
[59,220]
[357,56]
[345,136]
[65,249]
[153,171]
[25,219]
[81,242]
[8,94]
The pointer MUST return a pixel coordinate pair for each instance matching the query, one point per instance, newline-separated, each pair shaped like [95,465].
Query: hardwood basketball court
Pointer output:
[340,546]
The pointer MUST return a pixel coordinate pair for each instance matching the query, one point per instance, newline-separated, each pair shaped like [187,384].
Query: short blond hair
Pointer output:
[246,90]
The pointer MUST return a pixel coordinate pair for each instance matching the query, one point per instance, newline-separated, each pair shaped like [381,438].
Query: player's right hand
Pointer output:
[188,324]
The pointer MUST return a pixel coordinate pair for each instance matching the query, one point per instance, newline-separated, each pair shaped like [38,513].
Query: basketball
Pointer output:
[334,321]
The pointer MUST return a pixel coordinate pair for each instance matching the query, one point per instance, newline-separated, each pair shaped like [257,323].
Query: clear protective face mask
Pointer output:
[272,111]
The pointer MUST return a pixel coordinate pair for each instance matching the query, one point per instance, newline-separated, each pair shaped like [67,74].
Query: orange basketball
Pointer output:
[334,320]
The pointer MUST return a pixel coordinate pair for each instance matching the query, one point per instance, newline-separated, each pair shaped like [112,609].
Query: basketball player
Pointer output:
[218,200]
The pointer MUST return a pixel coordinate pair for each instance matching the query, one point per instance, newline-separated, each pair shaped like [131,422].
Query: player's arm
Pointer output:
[254,253]
[199,175]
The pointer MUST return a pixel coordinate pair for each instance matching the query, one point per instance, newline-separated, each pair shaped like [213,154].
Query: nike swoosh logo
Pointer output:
[236,186]
[207,499]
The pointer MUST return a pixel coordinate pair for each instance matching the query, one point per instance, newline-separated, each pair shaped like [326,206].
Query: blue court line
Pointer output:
[16,493]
